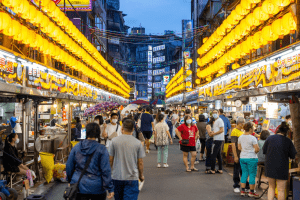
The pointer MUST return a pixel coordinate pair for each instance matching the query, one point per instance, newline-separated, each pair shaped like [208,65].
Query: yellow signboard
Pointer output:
[79,5]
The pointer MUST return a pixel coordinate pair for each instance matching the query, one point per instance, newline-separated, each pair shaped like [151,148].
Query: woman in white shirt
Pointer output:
[249,148]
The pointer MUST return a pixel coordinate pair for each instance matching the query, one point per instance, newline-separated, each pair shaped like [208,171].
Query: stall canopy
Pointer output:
[129,108]
[159,102]
[140,102]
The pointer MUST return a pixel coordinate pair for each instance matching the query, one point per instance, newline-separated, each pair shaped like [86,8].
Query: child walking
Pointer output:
[162,136]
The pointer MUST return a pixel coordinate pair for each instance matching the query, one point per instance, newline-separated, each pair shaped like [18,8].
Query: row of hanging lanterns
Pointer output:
[21,33]
[175,90]
[279,28]
[260,14]
[172,87]
[30,13]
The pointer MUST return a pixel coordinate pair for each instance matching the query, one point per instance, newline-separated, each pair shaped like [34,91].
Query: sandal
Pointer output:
[188,170]
[210,172]
[207,170]
[219,172]
[195,170]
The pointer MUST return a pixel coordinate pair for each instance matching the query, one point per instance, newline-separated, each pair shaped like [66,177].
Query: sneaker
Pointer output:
[147,151]
[196,162]
[253,194]
[247,190]
[243,193]
[166,165]
[158,165]
[189,162]
[236,190]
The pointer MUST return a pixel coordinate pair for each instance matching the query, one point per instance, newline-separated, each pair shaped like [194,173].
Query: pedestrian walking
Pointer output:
[278,149]
[227,125]
[237,170]
[201,125]
[218,134]
[249,148]
[147,127]
[174,120]
[161,137]
[97,179]
[126,160]
[208,144]
[187,134]
[111,130]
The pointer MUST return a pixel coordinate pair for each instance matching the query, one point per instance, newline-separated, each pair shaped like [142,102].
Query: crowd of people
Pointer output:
[119,142]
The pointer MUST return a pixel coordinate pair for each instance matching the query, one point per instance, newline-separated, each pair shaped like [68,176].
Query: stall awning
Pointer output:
[192,102]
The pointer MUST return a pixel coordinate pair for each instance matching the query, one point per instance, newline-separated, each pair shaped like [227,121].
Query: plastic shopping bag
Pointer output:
[152,139]
[58,171]
[198,146]
[47,162]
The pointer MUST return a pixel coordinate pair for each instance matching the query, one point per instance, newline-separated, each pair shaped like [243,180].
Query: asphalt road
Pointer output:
[174,183]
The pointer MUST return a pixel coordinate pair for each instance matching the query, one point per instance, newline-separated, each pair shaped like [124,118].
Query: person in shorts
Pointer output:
[147,127]
[190,133]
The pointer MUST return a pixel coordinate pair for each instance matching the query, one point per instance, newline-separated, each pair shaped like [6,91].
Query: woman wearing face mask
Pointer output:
[187,134]
[99,120]
[12,162]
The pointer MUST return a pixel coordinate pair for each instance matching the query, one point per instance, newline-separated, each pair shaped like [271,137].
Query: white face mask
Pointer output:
[126,114]
[17,141]
[189,121]
[114,121]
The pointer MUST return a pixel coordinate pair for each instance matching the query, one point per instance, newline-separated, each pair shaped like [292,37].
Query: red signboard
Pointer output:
[56,1]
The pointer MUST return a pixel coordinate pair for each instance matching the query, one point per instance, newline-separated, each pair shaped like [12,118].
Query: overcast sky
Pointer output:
[156,15]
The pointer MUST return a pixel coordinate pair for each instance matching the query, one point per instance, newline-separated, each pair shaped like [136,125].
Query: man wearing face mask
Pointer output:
[218,135]
[112,129]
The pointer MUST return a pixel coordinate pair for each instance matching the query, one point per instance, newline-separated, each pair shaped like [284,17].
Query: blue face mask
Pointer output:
[189,121]
[104,117]
[215,116]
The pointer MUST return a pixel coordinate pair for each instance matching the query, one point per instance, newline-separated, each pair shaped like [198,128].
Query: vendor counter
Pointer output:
[51,138]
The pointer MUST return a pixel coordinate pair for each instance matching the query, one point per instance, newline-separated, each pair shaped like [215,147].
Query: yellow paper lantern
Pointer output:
[279,28]
[260,15]
[258,40]
[281,3]
[251,20]
[235,66]
[241,11]
[290,23]
[270,8]
[197,81]
[244,28]
[189,61]
[246,4]
[5,21]
[268,34]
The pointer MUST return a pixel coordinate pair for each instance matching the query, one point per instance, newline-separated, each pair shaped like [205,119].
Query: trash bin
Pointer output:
[36,197]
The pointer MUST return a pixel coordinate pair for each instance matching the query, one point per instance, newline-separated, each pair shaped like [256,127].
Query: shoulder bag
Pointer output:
[139,124]
[140,135]
[114,134]
[72,190]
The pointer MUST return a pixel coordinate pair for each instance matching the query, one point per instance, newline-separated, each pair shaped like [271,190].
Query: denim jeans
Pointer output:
[237,173]
[249,168]
[164,151]
[126,190]
[208,145]
[216,154]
